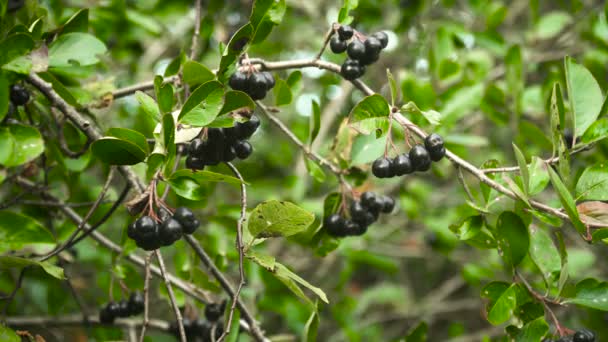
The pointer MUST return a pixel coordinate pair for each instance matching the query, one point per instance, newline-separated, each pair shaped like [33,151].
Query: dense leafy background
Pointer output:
[492,77]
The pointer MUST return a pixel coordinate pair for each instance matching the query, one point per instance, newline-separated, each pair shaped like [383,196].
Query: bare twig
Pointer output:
[553,160]
[143,86]
[76,320]
[328,36]
[197,30]
[63,145]
[146,319]
[240,248]
[178,314]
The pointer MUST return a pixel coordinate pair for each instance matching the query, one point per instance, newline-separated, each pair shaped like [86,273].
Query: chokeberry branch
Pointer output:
[197,30]
[178,314]
[77,320]
[549,161]
[143,86]
[307,151]
[63,145]
[146,319]
[240,248]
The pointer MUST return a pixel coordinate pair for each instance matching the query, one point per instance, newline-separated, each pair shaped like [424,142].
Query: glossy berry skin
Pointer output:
[356,49]
[334,225]
[229,153]
[435,146]
[19,95]
[358,212]
[351,70]
[420,158]
[382,38]
[136,303]
[583,335]
[194,163]
[372,46]
[257,80]
[336,45]
[243,149]
[123,309]
[187,220]
[196,147]
[402,165]
[270,81]
[170,231]
[372,202]
[214,311]
[131,231]
[388,204]
[146,228]
[345,32]
[246,129]
[382,168]
[238,81]
[354,228]
[107,313]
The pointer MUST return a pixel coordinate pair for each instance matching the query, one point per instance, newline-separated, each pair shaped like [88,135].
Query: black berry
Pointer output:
[352,69]
[382,37]
[257,80]
[123,309]
[269,80]
[246,129]
[336,45]
[583,335]
[354,229]
[146,228]
[136,303]
[345,32]
[356,49]
[229,153]
[195,163]
[420,158]
[358,212]
[435,146]
[381,168]
[243,149]
[187,220]
[107,313]
[334,225]
[213,311]
[238,81]
[196,147]
[372,46]
[170,231]
[402,165]
[131,231]
[372,202]
[388,204]
[19,95]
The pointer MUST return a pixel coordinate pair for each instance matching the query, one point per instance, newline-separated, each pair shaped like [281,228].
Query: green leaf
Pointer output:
[59,88]
[190,184]
[393,86]
[533,330]
[8,335]
[366,148]
[18,230]
[468,228]
[567,201]
[558,116]
[596,132]
[175,65]
[195,73]
[114,151]
[79,22]
[283,273]
[593,183]
[315,122]
[168,133]
[315,170]
[148,105]
[75,49]
[551,24]
[590,293]
[373,106]
[311,328]
[585,95]
[268,262]
[512,238]
[236,100]
[15,46]
[523,169]
[278,218]
[237,44]
[344,17]
[19,144]
[8,262]
[433,117]
[503,301]
[418,333]
[282,93]
[544,254]
[4,98]
[130,136]
[164,95]
[264,16]
[539,178]
[203,105]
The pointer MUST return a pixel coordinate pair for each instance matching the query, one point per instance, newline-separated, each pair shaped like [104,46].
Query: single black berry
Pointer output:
[108,313]
[372,46]
[238,81]
[336,45]
[123,309]
[345,32]
[351,70]
[146,228]
[402,165]
[257,80]
[136,303]
[356,49]
[269,80]
[213,311]
[388,204]
[19,95]
[243,149]
[148,244]
[382,37]
[334,225]
[369,58]
[354,228]
[246,129]
[420,158]
[381,168]
[170,231]
[229,153]
[131,231]
[368,199]
[435,146]
[583,335]
[187,220]
[196,147]
[257,93]
[358,212]
[194,163]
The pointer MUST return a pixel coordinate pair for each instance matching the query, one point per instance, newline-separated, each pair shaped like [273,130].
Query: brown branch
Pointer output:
[178,315]
[146,319]
[143,86]
[197,30]
[77,320]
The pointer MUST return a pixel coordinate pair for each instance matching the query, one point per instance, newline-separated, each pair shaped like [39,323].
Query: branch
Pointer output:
[77,320]
[178,315]
[148,85]
[146,319]
[197,31]
[225,284]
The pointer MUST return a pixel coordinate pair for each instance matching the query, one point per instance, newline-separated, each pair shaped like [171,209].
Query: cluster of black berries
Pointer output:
[125,308]
[418,159]
[583,335]
[363,213]
[361,52]
[222,144]
[255,84]
[18,96]
[200,329]
[150,235]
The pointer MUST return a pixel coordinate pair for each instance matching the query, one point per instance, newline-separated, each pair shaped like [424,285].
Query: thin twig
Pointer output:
[240,248]
[76,320]
[464,184]
[178,314]
[197,30]
[553,160]
[328,36]
[13,293]
[146,319]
